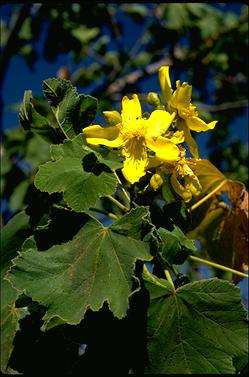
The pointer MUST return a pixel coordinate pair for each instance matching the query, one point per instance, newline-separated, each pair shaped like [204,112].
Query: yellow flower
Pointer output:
[134,134]
[179,101]
[184,181]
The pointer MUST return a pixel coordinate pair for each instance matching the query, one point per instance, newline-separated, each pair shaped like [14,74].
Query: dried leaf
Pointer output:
[223,232]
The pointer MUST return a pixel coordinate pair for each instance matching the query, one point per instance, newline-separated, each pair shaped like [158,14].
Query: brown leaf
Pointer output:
[223,231]
[239,224]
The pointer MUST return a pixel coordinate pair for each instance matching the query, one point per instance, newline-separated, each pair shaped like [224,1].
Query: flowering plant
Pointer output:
[109,257]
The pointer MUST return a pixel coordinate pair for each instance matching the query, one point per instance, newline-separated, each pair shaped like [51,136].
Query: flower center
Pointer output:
[188,112]
[135,129]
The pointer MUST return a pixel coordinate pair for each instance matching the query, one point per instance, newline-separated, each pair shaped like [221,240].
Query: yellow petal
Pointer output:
[112,117]
[185,182]
[182,96]
[165,82]
[177,137]
[190,188]
[189,140]
[198,125]
[164,148]
[135,161]
[109,136]
[159,122]
[180,189]
[193,185]
[131,109]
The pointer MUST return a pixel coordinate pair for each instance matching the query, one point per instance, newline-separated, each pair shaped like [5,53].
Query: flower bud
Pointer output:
[112,117]
[156,181]
[153,99]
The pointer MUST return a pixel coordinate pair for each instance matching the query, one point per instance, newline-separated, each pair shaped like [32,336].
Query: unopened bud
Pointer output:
[112,117]
[156,181]
[153,99]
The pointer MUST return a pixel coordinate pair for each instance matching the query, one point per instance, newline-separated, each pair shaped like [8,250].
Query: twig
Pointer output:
[222,106]
[134,76]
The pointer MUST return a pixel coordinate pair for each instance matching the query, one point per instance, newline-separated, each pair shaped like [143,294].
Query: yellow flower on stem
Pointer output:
[184,181]
[134,134]
[179,101]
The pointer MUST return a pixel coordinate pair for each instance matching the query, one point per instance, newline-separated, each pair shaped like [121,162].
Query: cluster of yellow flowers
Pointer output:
[155,141]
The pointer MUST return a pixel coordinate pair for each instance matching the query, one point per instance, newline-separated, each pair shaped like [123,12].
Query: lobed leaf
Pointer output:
[199,328]
[32,120]
[12,236]
[71,110]
[175,246]
[82,180]
[97,265]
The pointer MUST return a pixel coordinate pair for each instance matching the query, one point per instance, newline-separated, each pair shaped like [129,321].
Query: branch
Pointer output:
[139,74]
[222,106]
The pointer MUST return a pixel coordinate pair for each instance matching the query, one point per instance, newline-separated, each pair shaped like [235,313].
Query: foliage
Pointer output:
[61,262]
[92,259]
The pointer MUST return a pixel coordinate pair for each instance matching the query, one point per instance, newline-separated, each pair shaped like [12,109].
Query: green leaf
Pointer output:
[32,120]
[85,34]
[87,110]
[137,226]
[111,158]
[37,151]
[76,173]
[12,236]
[177,16]
[137,11]
[175,246]
[69,108]
[16,201]
[97,265]
[198,328]
[168,193]
[10,316]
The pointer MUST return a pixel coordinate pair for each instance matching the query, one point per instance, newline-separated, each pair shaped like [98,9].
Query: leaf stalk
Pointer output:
[168,277]
[206,197]
[122,188]
[219,266]
[120,205]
